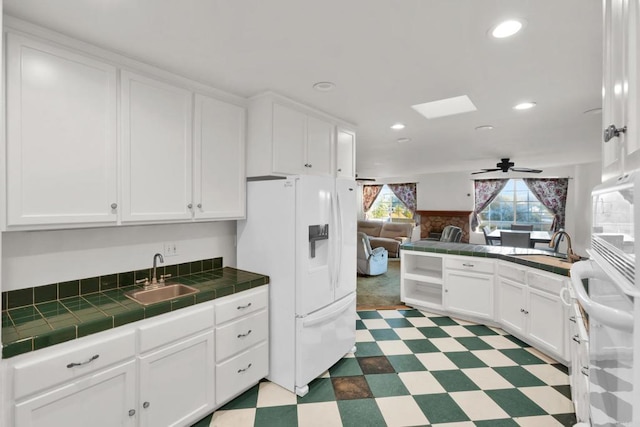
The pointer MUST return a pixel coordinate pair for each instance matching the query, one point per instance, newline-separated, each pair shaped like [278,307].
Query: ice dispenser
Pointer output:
[317,232]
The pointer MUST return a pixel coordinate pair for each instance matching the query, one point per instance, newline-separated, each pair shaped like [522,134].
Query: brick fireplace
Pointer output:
[435,221]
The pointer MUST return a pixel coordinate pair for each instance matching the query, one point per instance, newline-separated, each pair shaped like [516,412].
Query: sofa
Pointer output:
[389,235]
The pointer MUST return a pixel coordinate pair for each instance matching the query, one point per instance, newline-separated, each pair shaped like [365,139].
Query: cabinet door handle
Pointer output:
[132,412]
[199,205]
[585,371]
[190,205]
[467,265]
[572,319]
[145,405]
[526,312]
[244,335]
[310,165]
[114,205]
[73,364]
[612,131]
[339,170]
[242,307]
[576,339]
[244,369]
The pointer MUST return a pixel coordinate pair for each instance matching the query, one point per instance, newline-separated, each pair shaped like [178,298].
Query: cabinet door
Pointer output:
[61,136]
[345,154]
[104,399]
[511,306]
[546,321]
[177,382]
[289,139]
[219,164]
[156,153]
[469,293]
[319,143]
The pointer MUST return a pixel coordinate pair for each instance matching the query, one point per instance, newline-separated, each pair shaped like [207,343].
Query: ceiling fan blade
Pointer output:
[485,171]
[528,170]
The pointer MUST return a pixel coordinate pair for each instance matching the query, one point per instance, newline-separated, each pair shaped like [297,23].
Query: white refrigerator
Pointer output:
[301,232]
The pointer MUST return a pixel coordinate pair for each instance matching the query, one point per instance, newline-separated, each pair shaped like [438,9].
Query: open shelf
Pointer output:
[426,293]
[424,266]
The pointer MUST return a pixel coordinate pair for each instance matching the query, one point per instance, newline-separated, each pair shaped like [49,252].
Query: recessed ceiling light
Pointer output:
[397,126]
[324,86]
[484,127]
[593,111]
[445,107]
[404,140]
[524,106]
[507,28]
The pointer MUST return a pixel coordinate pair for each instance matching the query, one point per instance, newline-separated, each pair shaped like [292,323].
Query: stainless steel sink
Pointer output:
[164,293]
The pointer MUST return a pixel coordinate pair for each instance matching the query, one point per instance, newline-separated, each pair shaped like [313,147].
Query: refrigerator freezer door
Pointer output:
[346,248]
[314,288]
[322,339]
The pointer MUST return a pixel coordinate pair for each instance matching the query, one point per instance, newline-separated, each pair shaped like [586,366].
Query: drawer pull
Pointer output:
[585,371]
[132,412]
[244,335]
[242,307]
[575,338]
[145,405]
[73,364]
[245,369]
[467,265]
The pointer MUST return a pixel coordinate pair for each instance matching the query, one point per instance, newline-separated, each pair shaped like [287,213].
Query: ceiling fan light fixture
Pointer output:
[524,105]
[507,28]
[397,126]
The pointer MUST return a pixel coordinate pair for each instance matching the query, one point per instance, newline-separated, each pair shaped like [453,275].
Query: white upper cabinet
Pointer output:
[61,136]
[156,149]
[286,138]
[345,153]
[219,159]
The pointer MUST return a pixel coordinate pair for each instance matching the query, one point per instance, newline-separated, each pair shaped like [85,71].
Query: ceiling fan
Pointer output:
[505,166]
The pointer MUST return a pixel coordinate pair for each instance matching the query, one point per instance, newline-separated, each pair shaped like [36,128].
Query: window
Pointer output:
[388,206]
[516,204]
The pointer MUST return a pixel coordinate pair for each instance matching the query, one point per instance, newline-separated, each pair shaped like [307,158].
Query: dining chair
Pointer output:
[451,233]
[516,240]
[488,241]
[522,227]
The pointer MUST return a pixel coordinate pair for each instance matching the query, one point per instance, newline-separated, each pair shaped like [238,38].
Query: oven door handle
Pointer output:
[609,316]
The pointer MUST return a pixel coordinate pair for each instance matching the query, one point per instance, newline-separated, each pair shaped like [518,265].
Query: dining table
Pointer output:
[536,236]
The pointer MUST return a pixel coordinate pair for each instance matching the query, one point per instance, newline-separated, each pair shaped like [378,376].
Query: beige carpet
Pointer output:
[380,292]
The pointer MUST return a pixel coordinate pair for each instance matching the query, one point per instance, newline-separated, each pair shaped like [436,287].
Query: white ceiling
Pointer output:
[383,56]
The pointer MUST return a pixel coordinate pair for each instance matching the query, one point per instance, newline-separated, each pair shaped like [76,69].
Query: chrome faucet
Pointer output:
[555,240]
[154,279]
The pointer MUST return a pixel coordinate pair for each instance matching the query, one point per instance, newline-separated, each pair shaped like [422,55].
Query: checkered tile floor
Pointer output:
[415,368]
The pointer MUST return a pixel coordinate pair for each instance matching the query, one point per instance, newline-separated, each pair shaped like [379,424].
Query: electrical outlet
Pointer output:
[170,249]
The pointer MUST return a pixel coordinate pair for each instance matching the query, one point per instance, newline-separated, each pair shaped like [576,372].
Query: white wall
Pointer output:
[35,258]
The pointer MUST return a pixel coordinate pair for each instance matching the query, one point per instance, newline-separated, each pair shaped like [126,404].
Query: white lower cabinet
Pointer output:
[468,287]
[103,399]
[167,371]
[177,382]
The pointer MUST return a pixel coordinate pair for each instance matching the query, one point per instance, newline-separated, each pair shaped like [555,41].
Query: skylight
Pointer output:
[445,107]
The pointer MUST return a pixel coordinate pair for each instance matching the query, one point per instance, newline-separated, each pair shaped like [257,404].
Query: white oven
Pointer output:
[606,290]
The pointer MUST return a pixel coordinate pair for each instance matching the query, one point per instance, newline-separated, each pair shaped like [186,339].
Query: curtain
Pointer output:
[485,190]
[552,193]
[369,194]
[407,194]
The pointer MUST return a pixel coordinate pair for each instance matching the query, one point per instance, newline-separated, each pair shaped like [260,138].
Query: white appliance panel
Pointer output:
[346,256]
[323,338]
[314,287]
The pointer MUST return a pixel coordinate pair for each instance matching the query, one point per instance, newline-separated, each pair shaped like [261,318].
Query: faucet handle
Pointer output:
[145,281]
[164,276]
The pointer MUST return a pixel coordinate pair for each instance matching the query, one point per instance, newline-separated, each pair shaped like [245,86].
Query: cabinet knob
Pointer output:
[114,205]
[310,165]
[190,205]
[145,405]
[132,412]
[199,205]
[306,165]
[339,170]
[612,131]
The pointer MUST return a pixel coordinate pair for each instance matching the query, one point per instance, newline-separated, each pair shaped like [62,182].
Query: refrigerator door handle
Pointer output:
[609,316]
[340,239]
[339,309]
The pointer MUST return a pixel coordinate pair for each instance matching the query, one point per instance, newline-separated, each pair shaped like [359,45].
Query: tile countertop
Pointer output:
[37,326]
[507,253]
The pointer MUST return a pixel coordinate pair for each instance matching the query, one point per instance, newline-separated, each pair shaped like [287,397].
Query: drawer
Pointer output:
[512,271]
[241,372]
[238,336]
[175,326]
[60,364]
[469,264]
[243,303]
[545,282]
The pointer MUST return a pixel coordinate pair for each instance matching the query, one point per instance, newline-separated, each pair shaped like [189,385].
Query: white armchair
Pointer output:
[371,262]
